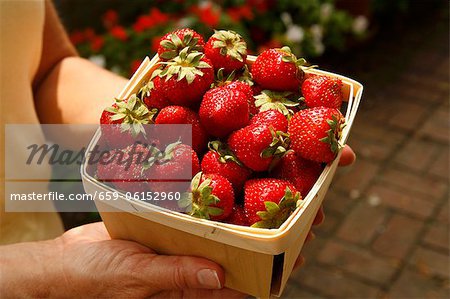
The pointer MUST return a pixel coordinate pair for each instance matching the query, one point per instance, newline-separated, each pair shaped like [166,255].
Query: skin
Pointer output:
[84,261]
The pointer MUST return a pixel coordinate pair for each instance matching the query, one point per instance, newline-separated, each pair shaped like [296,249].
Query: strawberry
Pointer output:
[259,145]
[272,118]
[124,168]
[223,110]
[227,50]
[302,173]
[173,42]
[238,216]
[153,95]
[186,78]
[178,163]
[315,133]
[281,101]
[183,115]
[221,160]
[122,123]
[211,197]
[278,69]
[324,91]
[269,202]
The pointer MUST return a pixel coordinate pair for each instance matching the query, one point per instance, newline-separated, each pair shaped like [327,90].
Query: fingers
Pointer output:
[299,262]
[348,157]
[200,293]
[182,272]
[320,217]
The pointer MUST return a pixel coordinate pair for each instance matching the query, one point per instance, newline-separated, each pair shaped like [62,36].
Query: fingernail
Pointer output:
[209,278]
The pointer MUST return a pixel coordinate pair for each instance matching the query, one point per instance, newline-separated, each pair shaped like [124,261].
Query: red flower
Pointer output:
[155,17]
[97,43]
[119,33]
[155,43]
[207,14]
[143,23]
[241,12]
[261,5]
[134,66]
[77,37]
[158,16]
[110,18]
[89,34]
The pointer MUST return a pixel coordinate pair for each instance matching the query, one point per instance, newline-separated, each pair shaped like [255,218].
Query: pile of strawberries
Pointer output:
[261,132]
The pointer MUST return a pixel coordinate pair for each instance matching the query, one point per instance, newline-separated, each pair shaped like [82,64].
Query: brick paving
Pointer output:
[386,234]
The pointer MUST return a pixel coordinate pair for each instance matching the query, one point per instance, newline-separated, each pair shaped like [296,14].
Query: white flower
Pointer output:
[360,24]
[326,10]
[98,60]
[204,4]
[295,33]
[318,47]
[317,32]
[184,22]
[286,18]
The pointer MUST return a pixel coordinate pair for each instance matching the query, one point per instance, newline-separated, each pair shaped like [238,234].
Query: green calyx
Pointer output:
[185,66]
[198,202]
[276,214]
[174,44]
[291,58]
[133,114]
[160,157]
[222,79]
[147,89]
[334,133]
[278,146]
[280,101]
[225,154]
[230,44]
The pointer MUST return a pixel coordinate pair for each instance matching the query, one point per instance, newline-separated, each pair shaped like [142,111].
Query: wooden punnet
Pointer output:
[256,261]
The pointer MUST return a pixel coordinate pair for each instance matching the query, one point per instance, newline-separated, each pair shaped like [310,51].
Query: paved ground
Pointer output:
[386,233]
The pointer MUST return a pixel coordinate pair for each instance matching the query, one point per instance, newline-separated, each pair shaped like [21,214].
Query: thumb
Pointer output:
[183,272]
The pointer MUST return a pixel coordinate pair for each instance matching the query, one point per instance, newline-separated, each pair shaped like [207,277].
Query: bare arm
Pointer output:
[67,88]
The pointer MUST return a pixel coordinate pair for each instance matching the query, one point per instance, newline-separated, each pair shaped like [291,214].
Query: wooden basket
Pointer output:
[256,261]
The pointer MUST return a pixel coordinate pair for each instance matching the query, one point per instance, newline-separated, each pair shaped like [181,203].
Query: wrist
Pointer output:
[28,269]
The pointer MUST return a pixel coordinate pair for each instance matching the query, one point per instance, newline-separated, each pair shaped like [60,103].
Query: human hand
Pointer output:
[348,157]
[85,262]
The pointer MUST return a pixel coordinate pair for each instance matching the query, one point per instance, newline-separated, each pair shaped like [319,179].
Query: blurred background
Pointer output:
[386,233]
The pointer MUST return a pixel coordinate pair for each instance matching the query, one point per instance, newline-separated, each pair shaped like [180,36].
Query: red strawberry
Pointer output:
[227,50]
[186,78]
[124,168]
[211,197]
[178,163]
[272,118]
[302,173]
[183,115]
[122,123]
[324,91]
[172,43]
[223,110]
[315,133]
[247,90]
[222,161]
[259,146]
[269,202]
[153,94]
[238,216]
[278,69]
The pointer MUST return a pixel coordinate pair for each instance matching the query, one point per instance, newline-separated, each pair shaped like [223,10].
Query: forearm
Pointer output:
[76,91]
[27,269]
